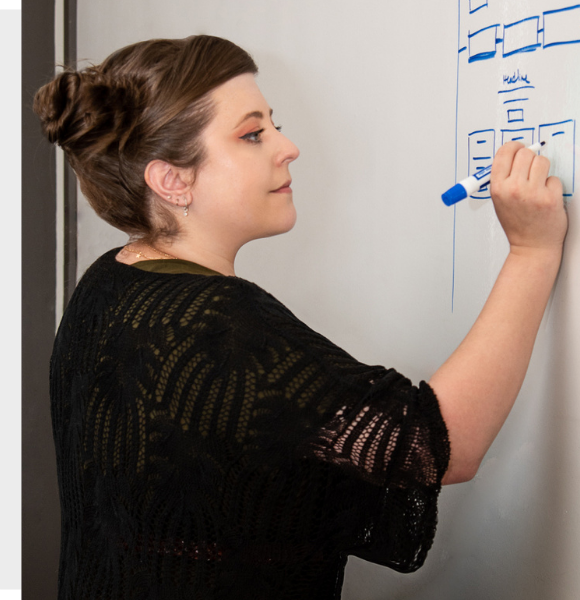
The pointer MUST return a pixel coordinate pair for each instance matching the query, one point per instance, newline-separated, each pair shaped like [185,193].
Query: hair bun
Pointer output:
[55,104]
[80,103]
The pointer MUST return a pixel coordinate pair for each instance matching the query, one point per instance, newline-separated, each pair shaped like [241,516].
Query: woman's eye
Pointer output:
[253,136]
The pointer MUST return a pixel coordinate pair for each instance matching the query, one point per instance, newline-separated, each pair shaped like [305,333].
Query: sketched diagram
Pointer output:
[537,57]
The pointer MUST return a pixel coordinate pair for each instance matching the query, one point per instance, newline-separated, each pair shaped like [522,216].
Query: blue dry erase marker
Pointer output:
[471,184]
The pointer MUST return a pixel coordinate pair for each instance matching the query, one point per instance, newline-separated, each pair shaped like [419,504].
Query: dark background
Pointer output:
[40,506]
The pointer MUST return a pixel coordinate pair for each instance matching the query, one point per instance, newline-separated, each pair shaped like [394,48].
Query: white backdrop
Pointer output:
[368,91]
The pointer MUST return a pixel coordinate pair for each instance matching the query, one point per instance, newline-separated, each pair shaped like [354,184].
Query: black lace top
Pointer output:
[210,445]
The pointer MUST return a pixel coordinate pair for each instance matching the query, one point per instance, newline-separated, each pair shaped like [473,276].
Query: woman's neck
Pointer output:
[216,259]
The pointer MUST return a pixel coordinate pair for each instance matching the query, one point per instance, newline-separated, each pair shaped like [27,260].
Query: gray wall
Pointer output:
[368,92]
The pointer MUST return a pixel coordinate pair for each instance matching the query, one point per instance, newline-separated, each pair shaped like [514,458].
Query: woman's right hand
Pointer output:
[528,203]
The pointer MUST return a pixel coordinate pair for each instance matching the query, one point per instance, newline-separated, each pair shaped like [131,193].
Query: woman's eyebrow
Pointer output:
[258,114]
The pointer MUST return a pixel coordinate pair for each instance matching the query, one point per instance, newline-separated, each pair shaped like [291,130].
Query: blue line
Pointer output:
[558,133]
[516,100]
[522,21]
[531,48]
[517,139]
[481,141]
[561,43]
[462,49]
[523,87]
[481,131]
[558,123]
[470,35]
[482,56]
[453,274]
[549,12]
[482,158]
[478,8]
[456,139]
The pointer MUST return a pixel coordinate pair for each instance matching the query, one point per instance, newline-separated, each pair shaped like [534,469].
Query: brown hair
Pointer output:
[145,102]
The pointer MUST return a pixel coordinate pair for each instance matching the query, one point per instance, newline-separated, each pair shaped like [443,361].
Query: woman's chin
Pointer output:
[281,227]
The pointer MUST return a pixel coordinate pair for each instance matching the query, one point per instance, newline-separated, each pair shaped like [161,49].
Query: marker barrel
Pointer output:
[474,182]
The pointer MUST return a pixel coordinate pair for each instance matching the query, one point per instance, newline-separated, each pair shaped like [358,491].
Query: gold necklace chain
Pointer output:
[141,255]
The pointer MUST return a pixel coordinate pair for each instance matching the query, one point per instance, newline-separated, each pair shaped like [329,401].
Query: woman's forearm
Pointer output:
[480,381]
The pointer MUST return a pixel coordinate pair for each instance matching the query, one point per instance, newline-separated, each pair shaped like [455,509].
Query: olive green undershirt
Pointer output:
[174,266]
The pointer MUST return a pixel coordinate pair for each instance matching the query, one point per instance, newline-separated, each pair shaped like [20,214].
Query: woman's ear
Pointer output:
[170,183]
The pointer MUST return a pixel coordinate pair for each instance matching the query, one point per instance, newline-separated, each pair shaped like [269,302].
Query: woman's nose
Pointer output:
[288,151]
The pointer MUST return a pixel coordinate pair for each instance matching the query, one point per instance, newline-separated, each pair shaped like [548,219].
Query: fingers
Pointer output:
[555,186]
[539,170]
[514,160]
[502,164]
[522,164]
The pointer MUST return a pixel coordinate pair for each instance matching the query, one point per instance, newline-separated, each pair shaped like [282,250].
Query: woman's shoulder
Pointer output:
[109,278]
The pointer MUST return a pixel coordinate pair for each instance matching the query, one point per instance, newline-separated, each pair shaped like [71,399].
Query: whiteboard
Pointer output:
[382,98]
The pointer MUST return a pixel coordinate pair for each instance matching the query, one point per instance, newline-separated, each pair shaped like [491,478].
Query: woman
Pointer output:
[209,444]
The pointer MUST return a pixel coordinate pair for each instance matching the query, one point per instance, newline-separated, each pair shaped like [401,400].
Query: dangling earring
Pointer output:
[185,210]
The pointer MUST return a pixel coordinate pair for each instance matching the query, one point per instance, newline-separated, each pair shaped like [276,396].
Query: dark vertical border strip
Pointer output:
[40,503]
[70,180]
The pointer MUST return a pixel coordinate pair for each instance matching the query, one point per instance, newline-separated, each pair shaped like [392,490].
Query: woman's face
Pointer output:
[242,190]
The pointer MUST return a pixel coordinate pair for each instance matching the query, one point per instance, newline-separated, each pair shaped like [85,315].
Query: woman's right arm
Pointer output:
[478,384]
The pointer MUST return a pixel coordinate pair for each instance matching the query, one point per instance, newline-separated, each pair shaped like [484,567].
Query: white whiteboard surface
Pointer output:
[368,91]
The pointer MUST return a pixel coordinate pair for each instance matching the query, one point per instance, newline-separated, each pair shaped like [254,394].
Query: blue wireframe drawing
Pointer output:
[562,26]
[513,84]
[521,36]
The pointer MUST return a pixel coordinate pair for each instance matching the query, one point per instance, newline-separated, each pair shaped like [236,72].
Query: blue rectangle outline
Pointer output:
[482,55]
[550,12]
[514,110]
[573,121]
[532,129]
[531,47]
[486,188]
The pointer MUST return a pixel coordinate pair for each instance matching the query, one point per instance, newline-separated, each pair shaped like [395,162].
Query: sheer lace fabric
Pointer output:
[211,445]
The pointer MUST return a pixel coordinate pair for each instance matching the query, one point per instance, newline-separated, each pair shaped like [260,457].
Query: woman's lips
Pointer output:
[283,189]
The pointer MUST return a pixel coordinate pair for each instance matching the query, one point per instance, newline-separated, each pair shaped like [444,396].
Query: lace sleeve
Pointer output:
[396,440]
[386,434]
